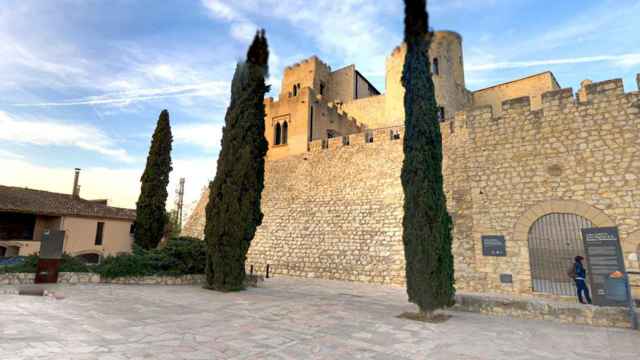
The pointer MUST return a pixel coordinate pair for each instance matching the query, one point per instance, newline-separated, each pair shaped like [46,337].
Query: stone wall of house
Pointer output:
[335,212]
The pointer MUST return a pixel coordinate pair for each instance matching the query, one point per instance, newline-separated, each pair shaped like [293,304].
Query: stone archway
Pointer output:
[89,256]
[521,229]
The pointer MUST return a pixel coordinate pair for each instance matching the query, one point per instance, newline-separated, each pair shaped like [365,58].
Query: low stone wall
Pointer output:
[157,280]
[91,278]
[537,309]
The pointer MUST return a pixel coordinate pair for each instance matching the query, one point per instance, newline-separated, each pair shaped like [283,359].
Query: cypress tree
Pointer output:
[426,223]
[233,212]
[151,214]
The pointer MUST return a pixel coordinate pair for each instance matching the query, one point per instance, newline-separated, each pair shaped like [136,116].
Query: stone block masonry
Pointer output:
[335,212]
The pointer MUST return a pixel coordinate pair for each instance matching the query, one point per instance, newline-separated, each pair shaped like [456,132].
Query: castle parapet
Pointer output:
[377,136]
[554,100]
[516,105]
[602,91]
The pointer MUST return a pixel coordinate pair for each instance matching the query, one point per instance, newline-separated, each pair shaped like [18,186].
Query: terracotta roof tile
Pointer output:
[40,202]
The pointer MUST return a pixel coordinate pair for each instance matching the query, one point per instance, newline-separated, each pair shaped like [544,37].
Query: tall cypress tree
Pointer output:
[151,206]
[426,223]
[233,212]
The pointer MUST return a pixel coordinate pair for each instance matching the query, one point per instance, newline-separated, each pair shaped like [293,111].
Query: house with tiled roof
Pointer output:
[92,229]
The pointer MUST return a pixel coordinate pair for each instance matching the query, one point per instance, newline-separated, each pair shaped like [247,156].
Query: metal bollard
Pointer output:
[267,273]
[251,270]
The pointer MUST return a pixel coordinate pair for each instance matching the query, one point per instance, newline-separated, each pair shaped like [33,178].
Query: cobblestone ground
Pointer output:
[286,319]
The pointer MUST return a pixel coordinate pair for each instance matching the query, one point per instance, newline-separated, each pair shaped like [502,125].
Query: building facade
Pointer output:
[92,229]
[524,160]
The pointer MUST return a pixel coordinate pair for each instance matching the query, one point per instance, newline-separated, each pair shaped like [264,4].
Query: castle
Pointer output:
[524,161]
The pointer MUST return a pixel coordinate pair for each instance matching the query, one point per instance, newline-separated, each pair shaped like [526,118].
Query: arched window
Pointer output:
[277,137]
[285,132]
[435,69]
[89,258]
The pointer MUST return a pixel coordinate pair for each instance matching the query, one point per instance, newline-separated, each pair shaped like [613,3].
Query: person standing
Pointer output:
[579,277]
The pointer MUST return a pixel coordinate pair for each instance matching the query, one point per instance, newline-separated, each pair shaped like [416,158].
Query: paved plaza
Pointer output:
[287,318]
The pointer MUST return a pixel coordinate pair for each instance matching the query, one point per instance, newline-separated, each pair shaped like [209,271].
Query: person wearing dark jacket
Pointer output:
[580,279]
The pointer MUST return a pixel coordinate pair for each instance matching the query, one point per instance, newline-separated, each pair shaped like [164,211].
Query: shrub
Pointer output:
[134,264]
[180,256]
[29,264]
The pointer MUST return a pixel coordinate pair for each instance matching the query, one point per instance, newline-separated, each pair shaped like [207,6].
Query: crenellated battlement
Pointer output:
[373,136]
[556,102]
[308,61]
[560,107]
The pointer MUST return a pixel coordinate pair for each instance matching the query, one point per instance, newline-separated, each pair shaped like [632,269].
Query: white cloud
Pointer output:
[120,186]
[352,30]
[215,89]
[204,135]
[242,29]
[626,60]
[47,132]
[9,155]
[197,173]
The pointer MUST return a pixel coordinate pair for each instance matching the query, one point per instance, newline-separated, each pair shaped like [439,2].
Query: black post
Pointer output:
[251,270]
[267,271]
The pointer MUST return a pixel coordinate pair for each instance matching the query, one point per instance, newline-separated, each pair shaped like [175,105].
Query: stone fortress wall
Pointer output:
[388,109]
[335,212]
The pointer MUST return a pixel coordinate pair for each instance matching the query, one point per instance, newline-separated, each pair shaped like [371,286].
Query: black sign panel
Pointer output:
[52,245]
[494,245]
[506,278]
[606,266]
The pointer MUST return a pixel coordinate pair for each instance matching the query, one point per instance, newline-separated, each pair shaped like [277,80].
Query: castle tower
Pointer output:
[311,73]
[447,68]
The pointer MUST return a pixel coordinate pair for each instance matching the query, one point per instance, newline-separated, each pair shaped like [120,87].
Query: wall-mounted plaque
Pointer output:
[605,266]
[506,278]
[494,245]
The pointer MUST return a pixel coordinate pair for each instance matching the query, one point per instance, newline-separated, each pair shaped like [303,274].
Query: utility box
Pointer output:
[50,255]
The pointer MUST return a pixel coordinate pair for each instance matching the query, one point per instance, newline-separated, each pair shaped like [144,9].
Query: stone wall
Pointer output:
[450,88]
[534,309]
[569,157]
[369,111]
[335,212]
[91,278]
[531,86]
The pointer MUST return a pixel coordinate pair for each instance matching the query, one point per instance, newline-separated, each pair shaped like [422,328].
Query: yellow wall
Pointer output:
[81,234]
[449,85]
[532,86]
[342,85]
[369,111]
[295,111]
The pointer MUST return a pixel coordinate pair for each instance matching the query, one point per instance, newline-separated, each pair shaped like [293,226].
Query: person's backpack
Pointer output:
[571,271]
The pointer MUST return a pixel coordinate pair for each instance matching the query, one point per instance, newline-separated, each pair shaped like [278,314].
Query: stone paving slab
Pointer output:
[287,318]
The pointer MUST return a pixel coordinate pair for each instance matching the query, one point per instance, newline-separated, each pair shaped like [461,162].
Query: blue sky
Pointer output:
[82,81]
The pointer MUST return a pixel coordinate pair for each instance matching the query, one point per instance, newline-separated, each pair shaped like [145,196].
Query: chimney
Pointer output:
[76,188]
